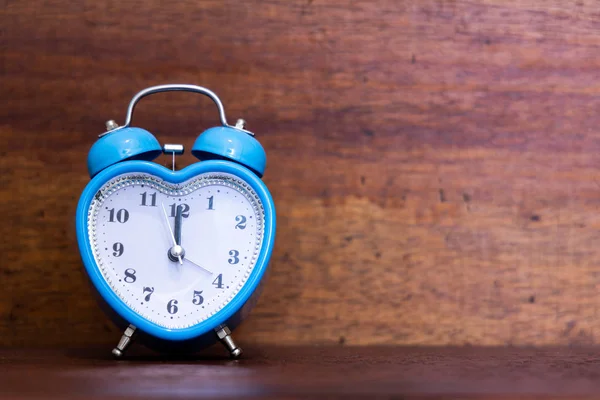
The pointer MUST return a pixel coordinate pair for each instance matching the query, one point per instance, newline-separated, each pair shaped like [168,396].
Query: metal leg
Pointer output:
[124,342]
[224,335]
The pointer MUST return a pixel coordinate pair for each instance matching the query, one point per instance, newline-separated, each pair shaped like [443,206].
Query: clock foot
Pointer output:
[124,342]
[224,335]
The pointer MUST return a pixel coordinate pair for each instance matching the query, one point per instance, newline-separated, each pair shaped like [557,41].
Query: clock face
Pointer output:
[176,254]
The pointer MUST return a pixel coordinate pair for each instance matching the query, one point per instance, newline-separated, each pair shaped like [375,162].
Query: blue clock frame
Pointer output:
[236,304]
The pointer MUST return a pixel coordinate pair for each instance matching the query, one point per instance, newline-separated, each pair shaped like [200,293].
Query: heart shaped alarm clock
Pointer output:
[177,258]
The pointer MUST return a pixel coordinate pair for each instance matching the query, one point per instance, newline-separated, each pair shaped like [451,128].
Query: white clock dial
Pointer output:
[131,227]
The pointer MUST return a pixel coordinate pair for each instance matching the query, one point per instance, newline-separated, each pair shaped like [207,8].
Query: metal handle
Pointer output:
[175,88]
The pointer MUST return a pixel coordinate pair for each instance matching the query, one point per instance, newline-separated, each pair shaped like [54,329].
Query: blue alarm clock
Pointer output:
[177,258]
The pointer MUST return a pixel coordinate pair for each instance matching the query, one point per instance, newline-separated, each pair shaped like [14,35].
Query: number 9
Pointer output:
[118,249]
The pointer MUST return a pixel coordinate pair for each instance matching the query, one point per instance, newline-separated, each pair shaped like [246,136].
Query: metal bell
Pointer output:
[234,144]
[120,144]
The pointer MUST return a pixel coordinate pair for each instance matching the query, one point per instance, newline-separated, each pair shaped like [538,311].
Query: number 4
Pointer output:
[218,282]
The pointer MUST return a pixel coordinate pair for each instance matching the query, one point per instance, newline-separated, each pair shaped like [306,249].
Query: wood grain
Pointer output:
[434,163]
[306,372]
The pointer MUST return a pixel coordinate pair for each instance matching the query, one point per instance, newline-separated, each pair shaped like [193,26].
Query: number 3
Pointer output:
[234,257]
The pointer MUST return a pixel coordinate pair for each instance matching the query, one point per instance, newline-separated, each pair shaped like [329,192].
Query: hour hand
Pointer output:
[178,218]
[175,253]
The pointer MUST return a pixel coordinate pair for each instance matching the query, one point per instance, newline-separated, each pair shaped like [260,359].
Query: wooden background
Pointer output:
[434,163]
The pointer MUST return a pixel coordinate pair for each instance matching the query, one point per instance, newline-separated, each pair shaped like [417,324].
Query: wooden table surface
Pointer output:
[285,372]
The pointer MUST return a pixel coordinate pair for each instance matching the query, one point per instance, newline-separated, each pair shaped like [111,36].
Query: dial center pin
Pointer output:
[175,252]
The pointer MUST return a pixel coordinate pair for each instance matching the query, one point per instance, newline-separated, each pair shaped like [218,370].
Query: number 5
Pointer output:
[198,299]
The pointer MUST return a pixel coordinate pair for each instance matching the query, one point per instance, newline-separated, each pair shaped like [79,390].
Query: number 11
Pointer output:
[152,199]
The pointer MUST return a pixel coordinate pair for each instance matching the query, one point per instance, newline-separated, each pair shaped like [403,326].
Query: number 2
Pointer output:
[241,222]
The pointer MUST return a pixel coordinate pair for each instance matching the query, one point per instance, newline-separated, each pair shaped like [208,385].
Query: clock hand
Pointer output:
[178,220]
[198,265]
[175,247]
